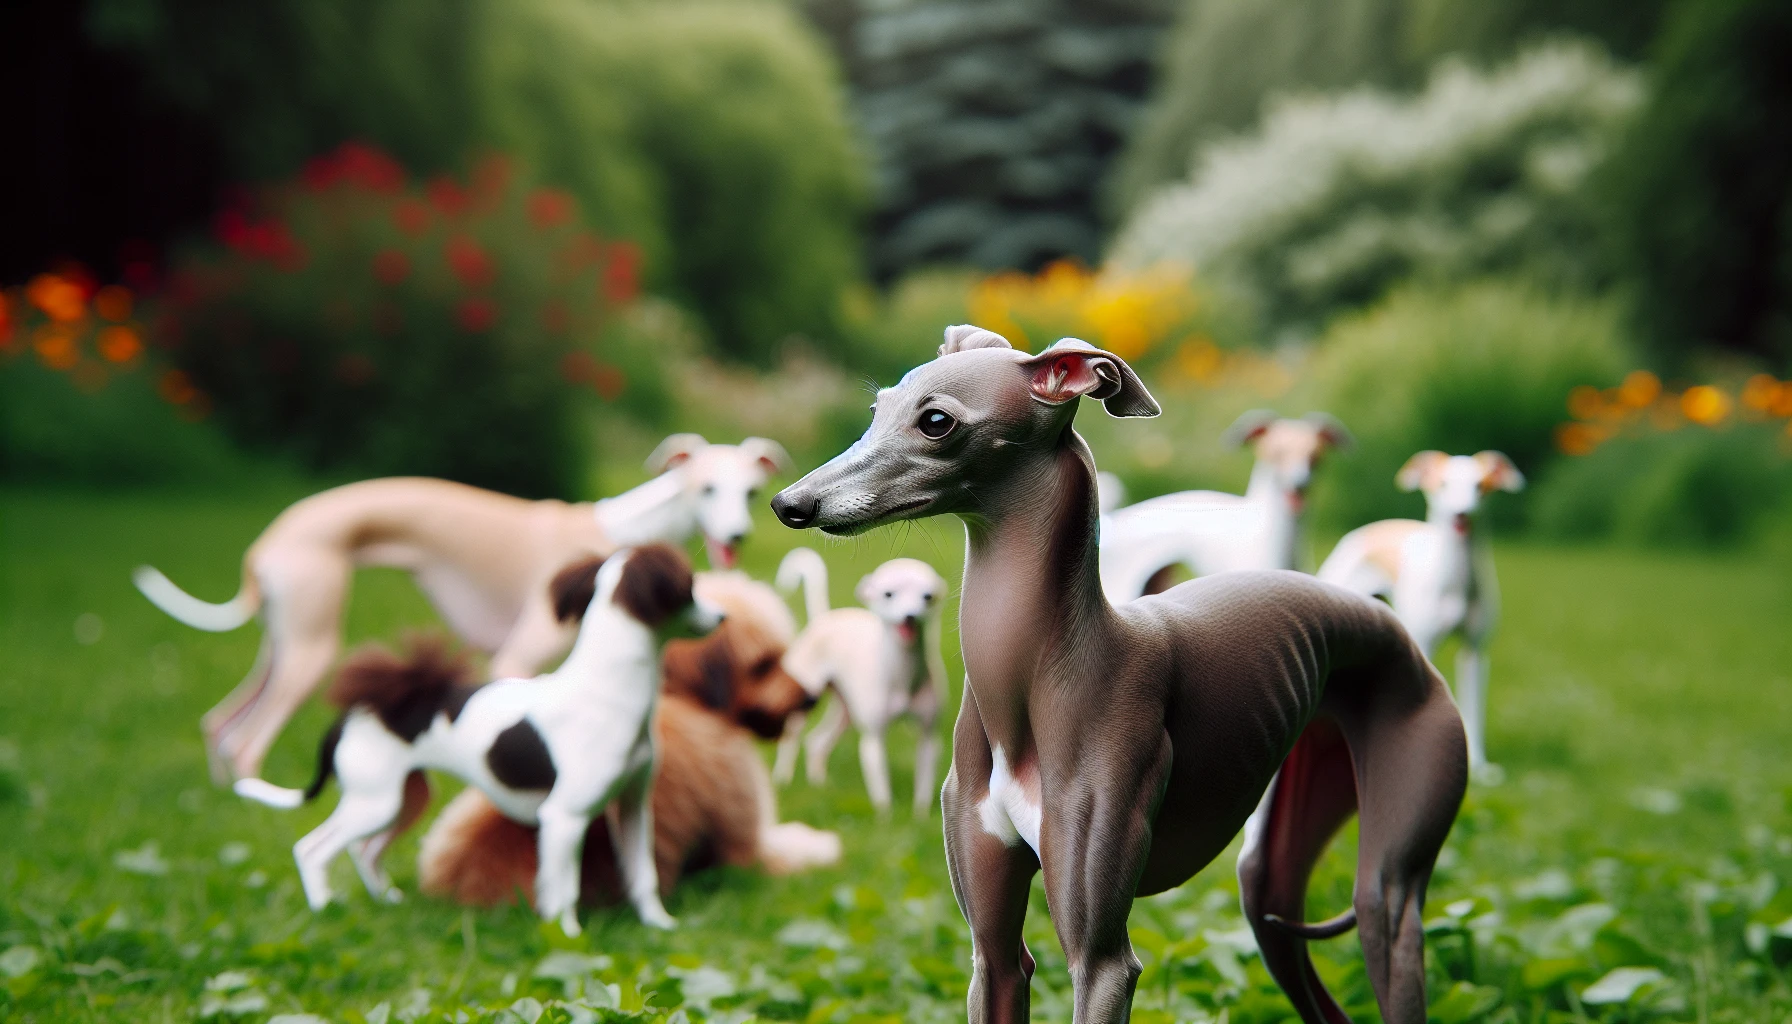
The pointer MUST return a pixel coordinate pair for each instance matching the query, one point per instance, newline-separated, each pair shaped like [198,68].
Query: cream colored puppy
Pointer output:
[1211,531]
[483,559]
[1438,579]
[882,661]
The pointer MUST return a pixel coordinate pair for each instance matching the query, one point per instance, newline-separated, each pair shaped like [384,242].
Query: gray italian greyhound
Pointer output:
[1119,749]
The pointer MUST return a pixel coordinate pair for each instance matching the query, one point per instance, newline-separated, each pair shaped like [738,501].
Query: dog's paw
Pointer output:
[394,894]
[656,917]
[569,923]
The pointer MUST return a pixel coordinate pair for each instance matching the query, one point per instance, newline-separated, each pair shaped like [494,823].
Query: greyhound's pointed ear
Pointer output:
[1071,369]
[771,455]
[964,337]
[1248,427]
[1330,430]
[1498,472]
[1418,470]
[675,450]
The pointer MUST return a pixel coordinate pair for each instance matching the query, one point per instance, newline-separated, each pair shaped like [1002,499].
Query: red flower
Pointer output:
[475,314]
[555,318]
[550,207]
[369,168]
[622,274]
[578,367]
[412,216]
[469,262]
[491,177]
[448,197]
[321,173]
[609,382]
[391,267]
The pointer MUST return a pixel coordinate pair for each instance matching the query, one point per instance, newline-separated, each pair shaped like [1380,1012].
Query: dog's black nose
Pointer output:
[795,509]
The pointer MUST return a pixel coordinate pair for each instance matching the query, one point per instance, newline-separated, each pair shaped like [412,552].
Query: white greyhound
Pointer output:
[879,664]
[1211,531]
[1438,579]
[483,559]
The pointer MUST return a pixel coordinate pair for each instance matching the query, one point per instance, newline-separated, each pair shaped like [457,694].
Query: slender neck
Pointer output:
[611,655]
[1032,584]
[1280,518]
[653,512]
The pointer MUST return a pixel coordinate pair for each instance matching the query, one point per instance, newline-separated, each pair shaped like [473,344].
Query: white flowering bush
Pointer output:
[1338,197]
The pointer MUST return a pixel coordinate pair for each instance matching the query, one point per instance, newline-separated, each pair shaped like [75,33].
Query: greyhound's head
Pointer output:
[1288,450]
[1455,484]
[953,431]
[904,592]
[718,482]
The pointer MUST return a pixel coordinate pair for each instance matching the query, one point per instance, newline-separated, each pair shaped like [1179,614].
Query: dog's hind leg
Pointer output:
[789,746]
[307,635]
[874,764]
[818,746]
[367,852]
[1312,795]
[631,833]
[927,763]
[1411,770]
[360,814]
[1471,698]
[224,717]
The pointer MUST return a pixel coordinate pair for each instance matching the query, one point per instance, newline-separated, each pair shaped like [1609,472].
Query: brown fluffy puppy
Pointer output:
[713,802]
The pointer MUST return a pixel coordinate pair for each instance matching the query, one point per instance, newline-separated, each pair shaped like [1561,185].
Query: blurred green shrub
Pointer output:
[1486,365]
[1338,199]
[358,321]
[1691,487]
[83,402]
[713,133]
[1225,58]
[1701,186]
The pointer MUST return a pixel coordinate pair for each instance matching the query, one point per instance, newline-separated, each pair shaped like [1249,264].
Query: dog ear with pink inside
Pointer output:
[675,451]
[1249,427]
[1072,369]
[1498,472]
[1420,471]
[770,455]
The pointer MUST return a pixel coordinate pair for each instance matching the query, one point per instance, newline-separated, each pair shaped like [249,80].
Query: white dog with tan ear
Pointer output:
[1211,531]
[482,558]
[1438,579]
[882,661]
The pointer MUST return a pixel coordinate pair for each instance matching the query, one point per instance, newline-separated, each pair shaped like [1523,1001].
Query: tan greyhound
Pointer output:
[482,558]
[1120,749]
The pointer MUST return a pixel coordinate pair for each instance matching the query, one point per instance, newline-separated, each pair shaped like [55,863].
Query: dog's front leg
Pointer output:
[990,880]
[1094,838]
[631,833]
[560,843]
[789,745]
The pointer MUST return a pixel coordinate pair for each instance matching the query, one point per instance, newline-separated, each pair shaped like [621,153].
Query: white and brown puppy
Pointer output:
[1211,531]
[483,559]
[713,802]
[553,751]
[1438,579]
[882,661]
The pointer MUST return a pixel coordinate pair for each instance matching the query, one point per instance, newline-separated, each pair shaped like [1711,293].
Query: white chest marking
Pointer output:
[1009,812]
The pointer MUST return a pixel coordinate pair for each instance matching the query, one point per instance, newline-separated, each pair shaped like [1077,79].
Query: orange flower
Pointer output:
[1580,438]
[177,388]
[1585,402]
[56,347]
[1760,392]
[113,303]
[1705,405]
[60,299]
[1640,388]
[120,344]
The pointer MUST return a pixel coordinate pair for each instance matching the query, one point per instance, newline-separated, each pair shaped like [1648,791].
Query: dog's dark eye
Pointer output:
[889,594]
[764,666]
[927,598]
[709,490]
[935,424]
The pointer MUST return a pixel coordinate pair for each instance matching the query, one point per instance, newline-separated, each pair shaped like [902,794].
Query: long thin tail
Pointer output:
[265,792]
[802,566]
[1330,928]
[214,618]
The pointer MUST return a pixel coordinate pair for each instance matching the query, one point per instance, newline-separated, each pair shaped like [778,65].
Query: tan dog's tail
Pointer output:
[803,567]
[213,618]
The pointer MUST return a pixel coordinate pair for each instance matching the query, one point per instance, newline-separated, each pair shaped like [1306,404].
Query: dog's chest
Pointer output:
[1012,811]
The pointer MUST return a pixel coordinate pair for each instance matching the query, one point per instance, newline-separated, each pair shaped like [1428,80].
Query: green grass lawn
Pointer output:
[1635,865]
